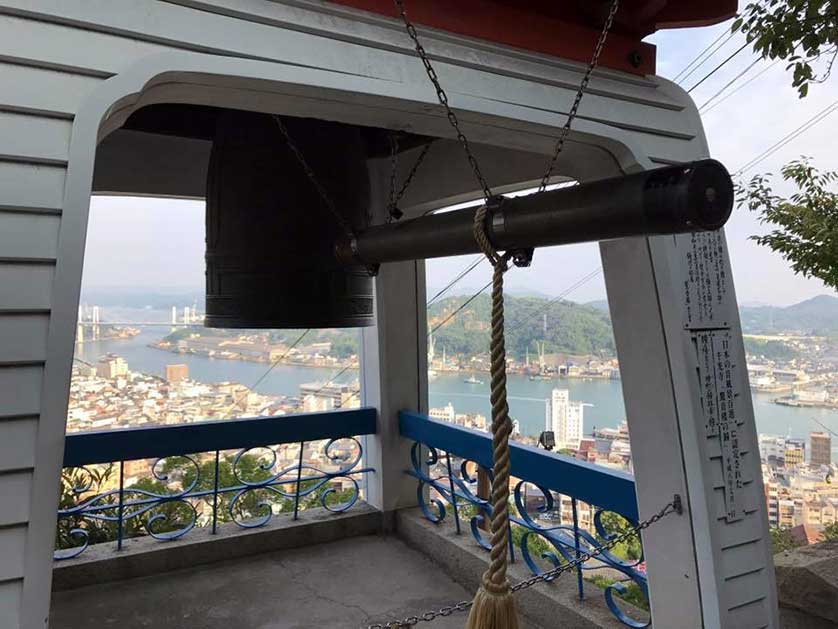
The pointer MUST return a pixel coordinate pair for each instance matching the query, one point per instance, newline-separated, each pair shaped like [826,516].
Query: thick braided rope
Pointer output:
[494,579]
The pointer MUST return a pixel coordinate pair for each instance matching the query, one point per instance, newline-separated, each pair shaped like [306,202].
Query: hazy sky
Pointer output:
[159,243]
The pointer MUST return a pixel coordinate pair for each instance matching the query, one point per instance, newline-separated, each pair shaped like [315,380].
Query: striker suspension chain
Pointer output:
[442,96]
[577,100]
[443,99]
[675,506]
[393,211]
[324,195]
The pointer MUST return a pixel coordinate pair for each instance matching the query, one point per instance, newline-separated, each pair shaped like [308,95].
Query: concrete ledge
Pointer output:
[793,619]
[807,584]
[145,556]
[464,561]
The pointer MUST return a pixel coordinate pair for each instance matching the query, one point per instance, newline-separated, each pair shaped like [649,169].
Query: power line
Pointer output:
[789,137]
[459,277]
[460,308]
[719,67]
[580,282]
[731,82]
[705,109]
[681,76]
[825,427]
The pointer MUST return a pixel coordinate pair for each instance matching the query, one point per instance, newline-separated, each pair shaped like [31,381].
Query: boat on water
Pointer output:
[472,380]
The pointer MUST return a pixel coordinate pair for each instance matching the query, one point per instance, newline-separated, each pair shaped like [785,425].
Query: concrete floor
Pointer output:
[349,583]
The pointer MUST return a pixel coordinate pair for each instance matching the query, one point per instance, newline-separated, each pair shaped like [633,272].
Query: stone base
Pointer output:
[807,585]
[146,556]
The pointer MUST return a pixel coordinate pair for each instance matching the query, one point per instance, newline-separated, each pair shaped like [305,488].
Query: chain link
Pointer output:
[583,86]
[393,211]
[675,506]
[443,99]
[324,196]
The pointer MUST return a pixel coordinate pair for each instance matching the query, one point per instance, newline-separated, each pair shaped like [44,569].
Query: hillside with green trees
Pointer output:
[570,328]
[771,350]
[818,315]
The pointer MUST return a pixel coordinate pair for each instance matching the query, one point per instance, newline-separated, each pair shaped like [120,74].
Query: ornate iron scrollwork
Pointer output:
[560,544]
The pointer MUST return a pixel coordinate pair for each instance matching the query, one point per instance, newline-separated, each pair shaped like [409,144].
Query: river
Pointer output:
[526,397]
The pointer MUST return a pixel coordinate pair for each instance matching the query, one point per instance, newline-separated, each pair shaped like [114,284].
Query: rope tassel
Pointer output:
[494,605]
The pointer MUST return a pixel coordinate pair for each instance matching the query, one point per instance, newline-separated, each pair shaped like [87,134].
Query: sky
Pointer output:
[159,244]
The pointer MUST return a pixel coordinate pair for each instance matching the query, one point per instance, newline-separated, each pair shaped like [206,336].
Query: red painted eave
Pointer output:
[561,28]
[691,14]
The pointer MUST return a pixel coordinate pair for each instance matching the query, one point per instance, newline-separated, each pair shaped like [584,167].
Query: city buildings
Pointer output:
[795,452]
[799,495]
[110,366]
[821,448]
[176,373]
[445,414]
[565,419]
[772,449]
[319,396]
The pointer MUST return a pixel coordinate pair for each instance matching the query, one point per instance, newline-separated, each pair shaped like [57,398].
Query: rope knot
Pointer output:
[481,234]
[498,589]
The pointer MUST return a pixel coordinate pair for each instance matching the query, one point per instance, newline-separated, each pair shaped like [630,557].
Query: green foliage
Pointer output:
[830,532]
[536,544]
[807,221]
[782,540]
[628,550]
[175,514]
[571,328]
[804,33]
[346,346]
[247,507]
[633,595]
[772,350]
[96,478]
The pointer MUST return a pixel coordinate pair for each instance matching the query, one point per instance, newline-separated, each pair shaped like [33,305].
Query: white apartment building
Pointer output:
[772,448]
[565,419]
[445,413]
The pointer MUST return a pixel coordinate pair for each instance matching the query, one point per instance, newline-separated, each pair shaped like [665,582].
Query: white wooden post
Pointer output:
[394,364]
[692,430]
[394,377]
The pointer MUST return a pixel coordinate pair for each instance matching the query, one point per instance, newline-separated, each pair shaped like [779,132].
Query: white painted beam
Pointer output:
[691,423]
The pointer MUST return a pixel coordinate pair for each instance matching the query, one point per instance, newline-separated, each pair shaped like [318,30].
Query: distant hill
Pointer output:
[598,304]
[570,328]
[818,315]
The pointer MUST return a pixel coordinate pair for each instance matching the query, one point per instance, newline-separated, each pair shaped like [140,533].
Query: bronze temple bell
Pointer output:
[270,238]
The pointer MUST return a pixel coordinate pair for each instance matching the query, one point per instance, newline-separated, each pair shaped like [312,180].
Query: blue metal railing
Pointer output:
[189,456]
[454,483]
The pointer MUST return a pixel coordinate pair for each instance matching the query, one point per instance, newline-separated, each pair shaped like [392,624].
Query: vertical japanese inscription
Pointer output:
[719,383]
[705,281]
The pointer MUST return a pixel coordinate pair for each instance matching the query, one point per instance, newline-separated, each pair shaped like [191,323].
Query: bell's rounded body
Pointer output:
[269,256]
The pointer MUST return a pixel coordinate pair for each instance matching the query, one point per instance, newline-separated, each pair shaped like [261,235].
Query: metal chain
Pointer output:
[443,99]
[455,123]
[574,109]
[675,506]
[324,196]
[393,212]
